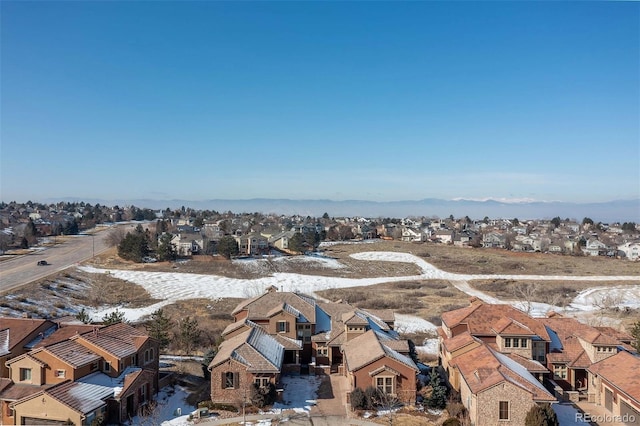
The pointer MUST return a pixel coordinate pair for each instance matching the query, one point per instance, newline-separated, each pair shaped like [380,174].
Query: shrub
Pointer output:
[444,293]
[452,421]
[261,396]
[371,397]
[358,400]
[455,409]
[217,406]
[541,415]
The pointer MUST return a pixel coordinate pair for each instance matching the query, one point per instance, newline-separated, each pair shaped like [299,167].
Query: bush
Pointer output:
[456,409]
[444,293]
[261,396]
[215,406]
[358,400]
[541,415]
[371,397]
[452,421]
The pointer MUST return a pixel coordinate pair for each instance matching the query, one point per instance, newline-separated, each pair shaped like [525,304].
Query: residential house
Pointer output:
[374,359]
[252,244]
[494,388]
[188,243]
[108,371]
[615,384]
[413,235]
[16,334]
[574,348]
[631,250]
[252,356]
[494,240]
[444,236]
[595,247]
[281,240]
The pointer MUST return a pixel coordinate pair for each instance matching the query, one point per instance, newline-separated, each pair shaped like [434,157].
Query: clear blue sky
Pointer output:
[375,101]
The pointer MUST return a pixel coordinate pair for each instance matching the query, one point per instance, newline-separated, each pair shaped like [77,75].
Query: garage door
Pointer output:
[630,416]
[44,422]
[608,400]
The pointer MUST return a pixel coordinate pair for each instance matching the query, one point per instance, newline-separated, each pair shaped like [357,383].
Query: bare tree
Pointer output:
[115,236]
[527,293]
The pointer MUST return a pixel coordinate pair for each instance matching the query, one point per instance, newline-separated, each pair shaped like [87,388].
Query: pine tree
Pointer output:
[83,316]
[228,246]
[188,335]
[438,397]
[158,328]
[166,249]
[635,333]
[114,317]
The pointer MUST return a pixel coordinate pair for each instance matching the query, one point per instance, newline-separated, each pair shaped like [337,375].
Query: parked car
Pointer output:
[42,263]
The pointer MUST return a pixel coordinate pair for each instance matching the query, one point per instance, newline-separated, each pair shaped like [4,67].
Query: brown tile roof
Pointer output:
[482,319]
[64,332]
[254,348]
[70,352]
[506,326]
[386,315]
[621,371]
[260,307]
[370,347]
[569,332]
[620,336]
[460,341]
[15,392]
[119,339]
[237,325]
[482,368]
[21,328]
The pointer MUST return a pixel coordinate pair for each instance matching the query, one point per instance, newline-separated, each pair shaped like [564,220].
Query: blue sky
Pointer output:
[375,101]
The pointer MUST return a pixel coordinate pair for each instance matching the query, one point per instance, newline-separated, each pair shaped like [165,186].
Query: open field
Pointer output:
[494,261]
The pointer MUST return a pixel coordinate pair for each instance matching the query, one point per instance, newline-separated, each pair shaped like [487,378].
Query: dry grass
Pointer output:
[427,299]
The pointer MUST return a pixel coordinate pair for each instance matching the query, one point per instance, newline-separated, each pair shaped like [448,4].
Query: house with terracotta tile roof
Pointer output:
[15,336]
[502,327]
[575,347]
[493,388]
[59,361]
[615,384]
[375,359]
[317,334]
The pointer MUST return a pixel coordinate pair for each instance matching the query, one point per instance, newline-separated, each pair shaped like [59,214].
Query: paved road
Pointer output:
[67,251]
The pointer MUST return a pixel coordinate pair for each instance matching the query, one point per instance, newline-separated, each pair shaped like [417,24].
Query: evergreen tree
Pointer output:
[83,316]
[541,415]
[635,332]
[114,317]
[134,246]
[296,242]
[228,246]
[158,328]
[438,397]
[166,249]
[30,232]
[206,360]
[188,335]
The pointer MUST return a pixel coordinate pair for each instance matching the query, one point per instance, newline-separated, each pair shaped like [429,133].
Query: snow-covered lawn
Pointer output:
[172,286]
[300,393]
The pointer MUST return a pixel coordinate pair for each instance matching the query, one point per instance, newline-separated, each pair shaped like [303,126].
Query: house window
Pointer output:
[523,343]
[25,374]
[106,366]
[94,366]
[507,342]
[282,326]
[516,342]
[146,356]
[143,393]
[230,380]
[321,352]
[504,410]
[60,374]
[261,381]
[560,371]
[385,384]
[151,354]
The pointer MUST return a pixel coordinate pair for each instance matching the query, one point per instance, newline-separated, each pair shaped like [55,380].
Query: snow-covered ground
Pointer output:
[299,394]
[172,286]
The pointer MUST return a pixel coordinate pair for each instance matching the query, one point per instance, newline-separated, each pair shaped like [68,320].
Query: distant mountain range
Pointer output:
[612,211]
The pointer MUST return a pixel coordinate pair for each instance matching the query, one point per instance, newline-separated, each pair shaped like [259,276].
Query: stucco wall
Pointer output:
[405,383]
